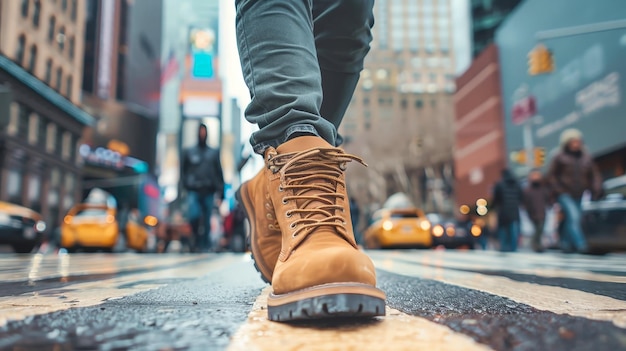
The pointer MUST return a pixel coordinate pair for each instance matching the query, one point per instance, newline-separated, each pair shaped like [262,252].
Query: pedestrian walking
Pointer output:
[572,173]
[301,61]
[507,199]
[537,202]
[203,179]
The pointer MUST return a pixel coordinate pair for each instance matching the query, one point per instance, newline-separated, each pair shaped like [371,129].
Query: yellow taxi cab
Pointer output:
[138,230]
[92,224]
[398,228]
[20,227]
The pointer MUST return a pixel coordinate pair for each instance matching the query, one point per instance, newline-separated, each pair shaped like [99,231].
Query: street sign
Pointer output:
[523,110]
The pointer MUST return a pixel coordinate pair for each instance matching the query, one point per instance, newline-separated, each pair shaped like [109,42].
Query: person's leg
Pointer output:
[193,215]
[514,235]
[536,241]
[207,210]
[280,67]
[503,237]
[342,37]
[574,237]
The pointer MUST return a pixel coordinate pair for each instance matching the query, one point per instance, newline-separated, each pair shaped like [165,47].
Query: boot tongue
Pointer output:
[302,143]
[305,143]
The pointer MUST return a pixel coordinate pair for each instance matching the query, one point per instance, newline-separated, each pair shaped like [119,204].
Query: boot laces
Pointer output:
[313,177]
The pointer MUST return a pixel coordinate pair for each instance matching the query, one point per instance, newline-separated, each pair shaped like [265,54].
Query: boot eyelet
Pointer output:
[285,201]
[269,216]
[288,214]
[280,188]
[292,225]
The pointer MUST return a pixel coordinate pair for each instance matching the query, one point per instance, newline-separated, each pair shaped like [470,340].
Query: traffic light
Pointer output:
[540,156]
[519,157]
[540,60]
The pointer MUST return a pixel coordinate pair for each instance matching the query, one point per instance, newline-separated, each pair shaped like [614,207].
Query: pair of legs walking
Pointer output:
[301,60]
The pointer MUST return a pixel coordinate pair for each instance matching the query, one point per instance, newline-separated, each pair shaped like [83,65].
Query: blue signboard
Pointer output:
[587,89]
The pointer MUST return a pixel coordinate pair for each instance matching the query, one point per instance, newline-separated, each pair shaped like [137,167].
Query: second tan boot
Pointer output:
[264,235]
[320,272]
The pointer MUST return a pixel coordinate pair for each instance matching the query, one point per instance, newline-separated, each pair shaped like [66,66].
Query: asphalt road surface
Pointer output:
[437,300]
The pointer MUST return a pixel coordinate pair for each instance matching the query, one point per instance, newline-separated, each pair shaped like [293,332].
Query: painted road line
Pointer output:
[498,321]
[396,331]
[39,266]
[97,292]
[547,298]
[518,263]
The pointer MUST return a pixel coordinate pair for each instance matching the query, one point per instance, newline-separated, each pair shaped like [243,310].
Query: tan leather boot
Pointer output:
[264,235]
[320,272]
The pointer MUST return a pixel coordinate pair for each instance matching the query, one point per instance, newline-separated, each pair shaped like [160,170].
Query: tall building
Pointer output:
[487,15]
[400,119]
[46,38]
[41,125]
[121,86]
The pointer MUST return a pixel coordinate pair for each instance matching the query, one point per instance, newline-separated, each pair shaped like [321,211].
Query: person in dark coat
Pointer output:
[507,198]
[203,179]
[536,202]
[572,173]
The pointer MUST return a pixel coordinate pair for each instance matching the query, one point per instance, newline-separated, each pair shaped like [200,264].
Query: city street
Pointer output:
[437,300]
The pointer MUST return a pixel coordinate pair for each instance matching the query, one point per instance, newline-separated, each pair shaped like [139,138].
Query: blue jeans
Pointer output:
[508,233]
[301,61]
[200,207]
[572,236]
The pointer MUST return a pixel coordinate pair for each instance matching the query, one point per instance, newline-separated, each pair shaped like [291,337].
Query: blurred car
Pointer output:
[454,233]
[20,227]
[138,230]
[604,220]
[91,225]
[398,228]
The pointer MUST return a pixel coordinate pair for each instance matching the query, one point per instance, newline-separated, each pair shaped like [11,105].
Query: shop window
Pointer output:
[41,134]
[23,116]
[14,186]
[34,189]
[58,148]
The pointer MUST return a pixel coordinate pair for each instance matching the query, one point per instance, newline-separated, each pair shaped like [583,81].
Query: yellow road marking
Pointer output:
[547,298]
[396,331]
[94,293]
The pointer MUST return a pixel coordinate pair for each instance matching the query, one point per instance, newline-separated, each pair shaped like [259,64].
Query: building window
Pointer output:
[397,25]
[68,87]
[34,191]
[419,103]
[366,101]
[48,76]
[32,62]
[25,5]
[41,134]
[59,78]
[36,13]
[51,28]
[19,53]
[33,128]
[51,132]
[66,152]
[58,147]
[61,39]
[381,24]
[404,104]
[23,116]
[14,119]
[74,9]
[14,186]
[71,48]
[64,5]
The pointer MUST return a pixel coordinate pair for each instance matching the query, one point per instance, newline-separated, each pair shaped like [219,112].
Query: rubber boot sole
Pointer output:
[245,200]
[338,300]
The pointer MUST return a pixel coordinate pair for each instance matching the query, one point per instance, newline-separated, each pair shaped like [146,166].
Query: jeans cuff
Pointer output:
[260,148]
